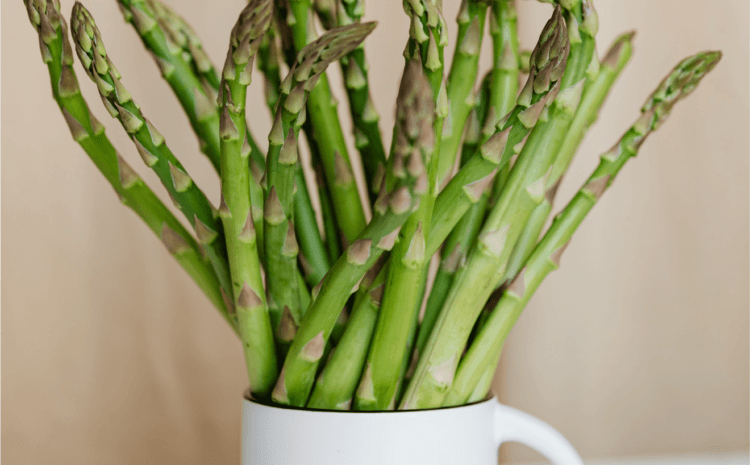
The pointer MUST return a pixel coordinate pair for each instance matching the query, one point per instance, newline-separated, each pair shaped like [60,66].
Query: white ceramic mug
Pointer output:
[469,434]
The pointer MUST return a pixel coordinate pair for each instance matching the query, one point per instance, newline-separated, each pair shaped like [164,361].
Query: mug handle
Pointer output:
[514,425]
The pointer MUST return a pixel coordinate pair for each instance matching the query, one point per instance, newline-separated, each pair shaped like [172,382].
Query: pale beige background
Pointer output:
[638,345]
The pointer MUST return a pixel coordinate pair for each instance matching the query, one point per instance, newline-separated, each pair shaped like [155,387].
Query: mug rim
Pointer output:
[247,397]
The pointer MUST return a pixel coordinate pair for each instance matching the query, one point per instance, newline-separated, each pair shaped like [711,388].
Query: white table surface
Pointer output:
[726,458]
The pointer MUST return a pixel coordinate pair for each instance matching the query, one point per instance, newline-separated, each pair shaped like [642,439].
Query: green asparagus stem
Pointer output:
[236,208]
[326,11]
[178,51]
[466,186]
[313,254]
[57,54]
[367,137]
[393,207]
[593,97]
[150,144]
[337,382]
[331,233]
[268,65]
[505,71]
[428,36]
[409,361]
[456,246]
[505,58]
[484,386]
[461,79]
[474,283]
[281,244]
[354,67]
[546,256]
[405,281]
[327,133]
[400,306]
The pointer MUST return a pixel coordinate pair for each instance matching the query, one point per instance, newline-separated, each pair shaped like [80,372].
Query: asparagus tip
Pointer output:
[619,50]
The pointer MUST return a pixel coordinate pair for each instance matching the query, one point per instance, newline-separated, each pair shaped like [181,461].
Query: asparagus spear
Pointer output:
[405,281]
[150,144]
[268,65]
[593,97]
[281,245]
[332,235]
[546,256]
[354,67]
[461,79]
[509,137]
[332,242]
[393,207]
[235,210]
[500,97]
[583,65]
[505,71]
[321,109]
[505,58]
[377,389]
[456,246]
[57,54]
[474,283]
[313,254]
[337,382]
[178,52]
[507,63]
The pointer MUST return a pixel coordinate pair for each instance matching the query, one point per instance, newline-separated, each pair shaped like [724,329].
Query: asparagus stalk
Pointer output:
[409,362]
[178,52]
[268,65]
[593,97]
[327,133]
[456,246]
[236,208]
[474,283]
[393,207]
[546,256]
[484,385]
[281,244]
[509,138]
[313,253]
[337,382]
[150,144]
[584,65]
[332,242]
[499,98]
[505,58]
[505,71]
[405,281]
[57,54]
[354,67]
[461,79]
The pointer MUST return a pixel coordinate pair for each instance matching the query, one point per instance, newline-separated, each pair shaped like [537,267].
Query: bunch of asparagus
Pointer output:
[342,317]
